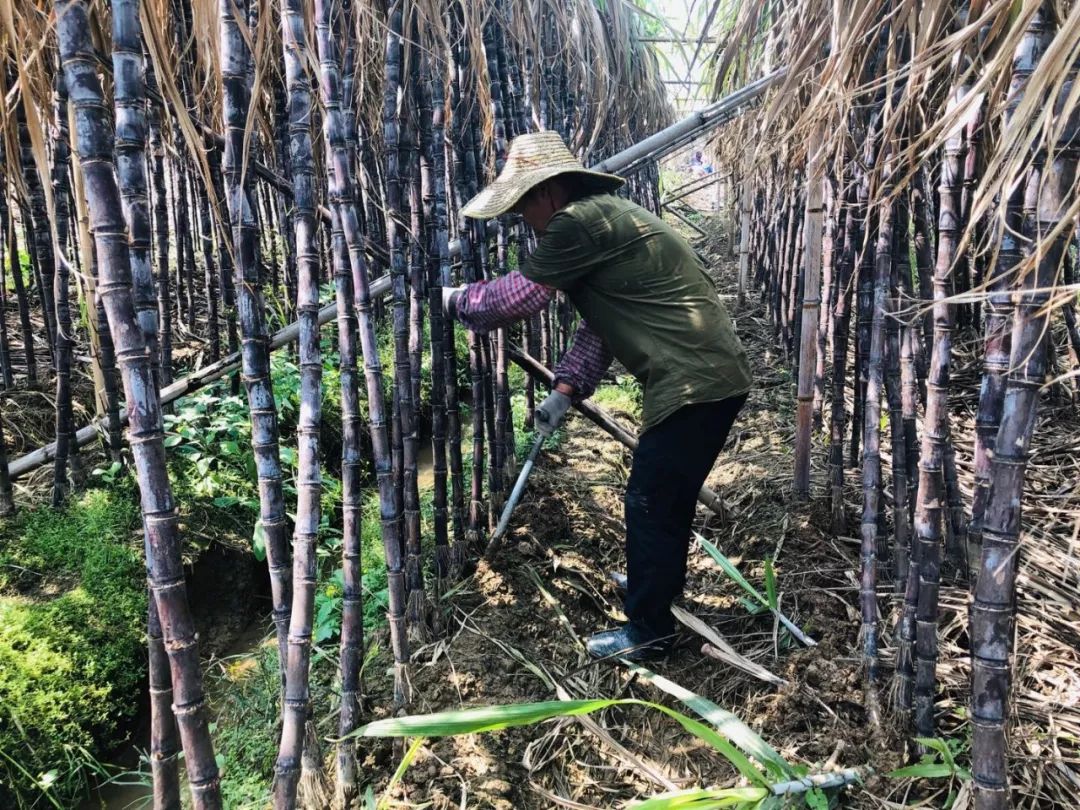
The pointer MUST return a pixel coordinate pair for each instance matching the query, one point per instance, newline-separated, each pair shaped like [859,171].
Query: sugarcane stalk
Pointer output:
[21,299]
[65,419]
[36,224]
[993,611]
[811,303]
[871,477]
[853,235]
[997,327]
[131,133]
[161,235]
[343,195]
[94,146]
[296,703]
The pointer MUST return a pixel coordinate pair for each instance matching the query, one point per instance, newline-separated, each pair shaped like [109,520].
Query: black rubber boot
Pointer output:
[629,641]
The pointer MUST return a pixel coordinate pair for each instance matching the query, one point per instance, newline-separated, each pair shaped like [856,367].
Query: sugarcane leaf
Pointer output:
[495,718]
[479,719]
[730,569]
[924,770]
[727,723]
[770,585]
[934,744]
[403,766]
[703,798]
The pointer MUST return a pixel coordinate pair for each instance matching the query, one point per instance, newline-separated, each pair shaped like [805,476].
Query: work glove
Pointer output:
[449,300]
[551,412]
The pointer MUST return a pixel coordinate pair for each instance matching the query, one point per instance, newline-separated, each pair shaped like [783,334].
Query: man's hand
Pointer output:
[449,300]
[551,412]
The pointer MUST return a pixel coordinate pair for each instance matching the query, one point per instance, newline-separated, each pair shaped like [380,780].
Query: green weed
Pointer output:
[71,630]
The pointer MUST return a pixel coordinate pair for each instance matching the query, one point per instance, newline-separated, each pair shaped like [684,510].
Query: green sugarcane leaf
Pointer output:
[934,744]
[403,766]
[495,718]
[731,570]
[770,585]
[925,770]
[482,718]
[703,799]
[727,723]
[730,752]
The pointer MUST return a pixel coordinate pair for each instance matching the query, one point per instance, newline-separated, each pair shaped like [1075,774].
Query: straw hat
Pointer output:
[533,158]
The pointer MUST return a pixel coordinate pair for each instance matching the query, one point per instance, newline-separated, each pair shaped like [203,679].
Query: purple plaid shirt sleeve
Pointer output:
[487,305]
[585,362]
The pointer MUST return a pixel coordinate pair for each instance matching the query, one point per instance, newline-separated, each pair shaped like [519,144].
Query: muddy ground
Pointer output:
[517,625]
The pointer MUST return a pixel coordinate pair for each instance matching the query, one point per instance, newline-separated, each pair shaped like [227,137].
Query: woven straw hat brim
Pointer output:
[504,193]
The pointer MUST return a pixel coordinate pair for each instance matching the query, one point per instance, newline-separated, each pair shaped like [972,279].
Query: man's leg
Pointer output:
[670,465]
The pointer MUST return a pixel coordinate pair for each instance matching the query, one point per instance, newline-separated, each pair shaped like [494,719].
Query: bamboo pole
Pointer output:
[811,301]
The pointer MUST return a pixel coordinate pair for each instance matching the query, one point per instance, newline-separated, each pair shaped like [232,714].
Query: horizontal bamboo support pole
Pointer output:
[608,423]
[185,385]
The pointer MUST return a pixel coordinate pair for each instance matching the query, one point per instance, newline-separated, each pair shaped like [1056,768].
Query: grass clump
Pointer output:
[72,610]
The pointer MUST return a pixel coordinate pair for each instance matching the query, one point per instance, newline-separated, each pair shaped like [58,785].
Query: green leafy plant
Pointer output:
[757,601]
[939,762]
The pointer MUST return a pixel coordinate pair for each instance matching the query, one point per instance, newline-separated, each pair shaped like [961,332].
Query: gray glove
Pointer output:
[449,300]
[551,412]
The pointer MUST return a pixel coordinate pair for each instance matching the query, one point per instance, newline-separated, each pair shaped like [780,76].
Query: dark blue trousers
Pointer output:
[671,463]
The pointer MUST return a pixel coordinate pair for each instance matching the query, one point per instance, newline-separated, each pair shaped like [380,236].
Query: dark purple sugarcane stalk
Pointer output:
[352,617]
[21,297]
[255,356]
[342,196]
[301,163]
[408,129]
[161,233]
[210,274]
[36,223]
[403,408]
[993,611]
[65,338]
[129,97]
[920,613]
[854,219]
[894,400]
[101,350]
[164,740]
[871,477]
[6,371]
[187,199]
[443,165]
[501,457]
[997,328]
[464,175]
[94,144]
[431,109]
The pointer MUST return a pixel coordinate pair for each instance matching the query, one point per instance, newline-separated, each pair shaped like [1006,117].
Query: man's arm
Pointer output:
[487,305]
[583,365]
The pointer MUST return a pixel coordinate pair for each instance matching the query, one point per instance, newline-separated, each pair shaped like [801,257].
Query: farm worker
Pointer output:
[644,297]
